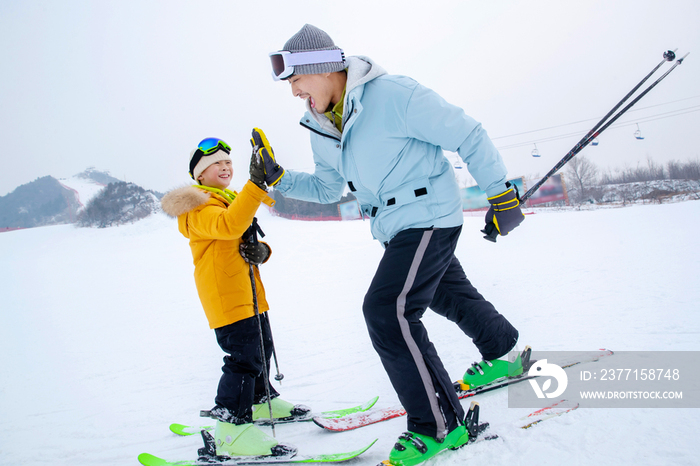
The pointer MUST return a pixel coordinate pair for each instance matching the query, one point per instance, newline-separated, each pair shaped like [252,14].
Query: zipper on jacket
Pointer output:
[320,133]
[347,115]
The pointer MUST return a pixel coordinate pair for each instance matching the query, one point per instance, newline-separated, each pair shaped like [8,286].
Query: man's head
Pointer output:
[309,51]
[210,163]
[310,61]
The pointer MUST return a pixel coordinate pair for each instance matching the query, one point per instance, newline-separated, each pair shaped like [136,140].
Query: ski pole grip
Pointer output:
[251,235]
[491,232]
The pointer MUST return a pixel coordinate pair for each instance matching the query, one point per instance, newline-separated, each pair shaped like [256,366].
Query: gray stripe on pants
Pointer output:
[410,342]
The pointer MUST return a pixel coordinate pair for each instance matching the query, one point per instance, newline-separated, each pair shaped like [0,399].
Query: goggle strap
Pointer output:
[219,145]
[314,57]
[215,149]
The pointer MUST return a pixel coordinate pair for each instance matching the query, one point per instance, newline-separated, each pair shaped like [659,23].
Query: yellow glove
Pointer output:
[262,148]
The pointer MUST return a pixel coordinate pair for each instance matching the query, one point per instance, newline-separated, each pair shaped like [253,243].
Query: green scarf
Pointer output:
[336,113]
[226,193]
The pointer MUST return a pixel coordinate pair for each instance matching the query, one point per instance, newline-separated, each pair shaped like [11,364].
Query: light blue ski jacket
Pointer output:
[390,154]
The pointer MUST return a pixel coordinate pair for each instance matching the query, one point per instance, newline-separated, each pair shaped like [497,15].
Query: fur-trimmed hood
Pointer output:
[182,200]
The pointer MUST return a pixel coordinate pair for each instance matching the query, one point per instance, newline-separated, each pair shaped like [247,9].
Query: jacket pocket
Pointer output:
[416,190]
[233,279]
[408,206]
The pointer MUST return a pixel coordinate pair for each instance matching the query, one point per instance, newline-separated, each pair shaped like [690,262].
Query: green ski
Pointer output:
[184,430]
[147,459]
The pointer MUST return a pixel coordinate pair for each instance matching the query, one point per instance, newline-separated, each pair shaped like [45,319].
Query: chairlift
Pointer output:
[535,152]
[594,142]
[638,133]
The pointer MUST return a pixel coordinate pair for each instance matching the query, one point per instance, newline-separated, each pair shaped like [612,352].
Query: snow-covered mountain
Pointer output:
[84,189]
[48,201]
[103,342]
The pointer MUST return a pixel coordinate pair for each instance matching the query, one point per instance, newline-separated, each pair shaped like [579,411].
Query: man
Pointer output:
[382,136]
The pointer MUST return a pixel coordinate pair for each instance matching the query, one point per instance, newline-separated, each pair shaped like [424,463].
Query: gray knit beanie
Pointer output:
[311,38]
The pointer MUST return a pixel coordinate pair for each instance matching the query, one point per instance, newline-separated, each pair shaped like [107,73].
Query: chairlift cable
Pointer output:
[660,116]
[591,119]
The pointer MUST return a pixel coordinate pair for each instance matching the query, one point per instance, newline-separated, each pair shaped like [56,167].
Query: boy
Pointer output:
[219,222]
[382,136]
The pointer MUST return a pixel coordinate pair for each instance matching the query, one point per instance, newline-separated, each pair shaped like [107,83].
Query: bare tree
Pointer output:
[581,175]
[689,170]
[655,172]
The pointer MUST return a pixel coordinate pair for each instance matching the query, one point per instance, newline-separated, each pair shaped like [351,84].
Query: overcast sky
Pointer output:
[131,86]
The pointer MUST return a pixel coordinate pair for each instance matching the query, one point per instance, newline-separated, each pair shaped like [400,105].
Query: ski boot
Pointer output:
[412,448]
[281,411]
[221,414]
[488,372]
[240,440]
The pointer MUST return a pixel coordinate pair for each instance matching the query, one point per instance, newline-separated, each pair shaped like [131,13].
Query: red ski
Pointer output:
[373,416]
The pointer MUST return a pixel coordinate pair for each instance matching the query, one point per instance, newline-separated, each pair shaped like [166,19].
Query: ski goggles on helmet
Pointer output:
[283,62]
[207,147]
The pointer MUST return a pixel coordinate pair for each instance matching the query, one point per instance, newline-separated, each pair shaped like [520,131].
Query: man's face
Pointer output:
[317,88]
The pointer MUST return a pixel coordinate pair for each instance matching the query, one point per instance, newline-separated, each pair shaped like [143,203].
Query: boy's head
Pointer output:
[309,51]
[210,163]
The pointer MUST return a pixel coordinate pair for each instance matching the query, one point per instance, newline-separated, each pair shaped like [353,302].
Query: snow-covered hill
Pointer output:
[103,342]
[84,189]
[87,184]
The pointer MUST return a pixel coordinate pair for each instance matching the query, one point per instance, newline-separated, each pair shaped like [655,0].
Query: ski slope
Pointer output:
[84,188]
[103,342]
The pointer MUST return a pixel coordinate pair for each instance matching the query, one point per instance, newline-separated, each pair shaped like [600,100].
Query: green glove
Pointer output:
[261,147]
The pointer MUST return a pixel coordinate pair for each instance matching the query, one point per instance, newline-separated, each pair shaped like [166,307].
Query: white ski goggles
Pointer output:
[283,62]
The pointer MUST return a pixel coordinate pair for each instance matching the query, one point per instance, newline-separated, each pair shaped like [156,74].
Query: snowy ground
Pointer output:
[103,342]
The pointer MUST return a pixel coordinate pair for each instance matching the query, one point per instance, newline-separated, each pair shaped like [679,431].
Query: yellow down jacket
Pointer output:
[214,228]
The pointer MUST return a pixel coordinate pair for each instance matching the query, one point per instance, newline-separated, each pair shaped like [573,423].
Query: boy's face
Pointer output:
[217,175]
[317,88]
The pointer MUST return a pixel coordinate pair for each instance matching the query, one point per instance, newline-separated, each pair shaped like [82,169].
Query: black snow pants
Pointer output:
[242,382]
[419,270]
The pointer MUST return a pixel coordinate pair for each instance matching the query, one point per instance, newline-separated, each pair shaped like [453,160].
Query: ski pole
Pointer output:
[266,380]
[491,232]
[668,56]
[279,376]
[636,99]
[253,238]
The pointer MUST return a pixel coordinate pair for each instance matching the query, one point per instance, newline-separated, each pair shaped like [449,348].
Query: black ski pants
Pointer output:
[419,270]
[242,382]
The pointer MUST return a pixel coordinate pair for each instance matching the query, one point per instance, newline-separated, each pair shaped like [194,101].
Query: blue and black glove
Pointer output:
[504,214]
[257,171]
[261,148]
